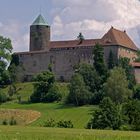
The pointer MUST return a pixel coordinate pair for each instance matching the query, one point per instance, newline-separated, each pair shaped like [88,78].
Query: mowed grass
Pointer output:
[78,115]
[57,111]
[39,133]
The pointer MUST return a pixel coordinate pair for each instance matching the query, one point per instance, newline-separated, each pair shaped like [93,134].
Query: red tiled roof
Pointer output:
[117,37]
[112,37]
[74,43]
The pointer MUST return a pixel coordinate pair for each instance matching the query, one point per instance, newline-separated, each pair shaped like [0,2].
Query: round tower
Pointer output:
[39,35]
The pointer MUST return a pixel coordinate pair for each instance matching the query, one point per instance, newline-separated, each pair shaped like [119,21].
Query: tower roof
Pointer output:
[40,21]
[117,37]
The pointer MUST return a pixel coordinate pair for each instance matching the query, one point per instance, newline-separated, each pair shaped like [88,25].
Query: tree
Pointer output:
[137,93]
[108,116]
[138,56]
[80,37]
[46,76]
[54,94]
[99,63]
[16,69]
[79,94]
[116,86]
[90,76]
[132,111]
[44,81]
[125,64]
[5,57]
[92,80]
[111,61]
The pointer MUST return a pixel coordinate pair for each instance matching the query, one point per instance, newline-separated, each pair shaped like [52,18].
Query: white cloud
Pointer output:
[91,17]
[95,17]
[13,30]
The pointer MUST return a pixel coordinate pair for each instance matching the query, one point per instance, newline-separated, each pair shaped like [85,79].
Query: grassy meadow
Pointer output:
[39,133]
[57,111]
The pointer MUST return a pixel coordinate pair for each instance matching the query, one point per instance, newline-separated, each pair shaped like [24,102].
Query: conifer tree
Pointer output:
[99,63]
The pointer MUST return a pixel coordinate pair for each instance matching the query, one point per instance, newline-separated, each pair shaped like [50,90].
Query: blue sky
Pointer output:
[69,17]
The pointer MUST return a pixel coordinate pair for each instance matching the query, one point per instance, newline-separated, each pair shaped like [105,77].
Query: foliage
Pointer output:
[90,76]
[12,121]
[111,60]
[54,94]
[49,123]
[4,78]
[132,111]
[106,117]
[138,56]
[99,63]
[65,124]
[11,90]
[80,37]
[40,91]
[116,86]
[4,122]
[137,92]
[15,59]
[5,57]
[45,81]
[3,97]
[46,76]
[79,94]
[125,64]
[5,49]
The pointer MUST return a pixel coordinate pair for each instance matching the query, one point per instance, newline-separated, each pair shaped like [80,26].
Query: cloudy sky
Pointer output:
[69,17]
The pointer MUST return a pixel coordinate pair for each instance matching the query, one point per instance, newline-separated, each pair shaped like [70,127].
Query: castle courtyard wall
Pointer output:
[63,60]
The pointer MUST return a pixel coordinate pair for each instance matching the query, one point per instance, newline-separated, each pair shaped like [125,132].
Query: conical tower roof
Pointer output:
[40,21]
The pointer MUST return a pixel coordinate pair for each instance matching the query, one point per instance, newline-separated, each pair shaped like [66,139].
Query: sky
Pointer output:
[67,18]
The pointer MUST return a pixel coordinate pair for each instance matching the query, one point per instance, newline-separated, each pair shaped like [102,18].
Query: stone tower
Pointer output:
[39,35]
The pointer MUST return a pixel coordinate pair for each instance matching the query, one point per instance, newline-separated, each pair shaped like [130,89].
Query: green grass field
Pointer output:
[39,133]
[78,115]
[57,111]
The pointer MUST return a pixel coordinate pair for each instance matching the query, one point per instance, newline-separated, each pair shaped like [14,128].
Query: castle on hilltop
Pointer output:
[64,55]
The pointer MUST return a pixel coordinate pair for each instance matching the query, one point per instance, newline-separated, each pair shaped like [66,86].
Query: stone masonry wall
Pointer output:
[62,60]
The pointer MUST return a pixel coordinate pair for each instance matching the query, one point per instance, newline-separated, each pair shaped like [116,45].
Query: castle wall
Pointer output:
[137,74]
[125,52]
[62,60]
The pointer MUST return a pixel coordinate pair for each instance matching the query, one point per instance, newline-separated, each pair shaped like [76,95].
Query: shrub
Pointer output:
[46,76]
[49,123]
[108,116]
[65,124]
[44,81]
[5,122]
[79,94]
[40,92]
[137,93]
[132,111]
[13,121]
[3,97]
[54,94]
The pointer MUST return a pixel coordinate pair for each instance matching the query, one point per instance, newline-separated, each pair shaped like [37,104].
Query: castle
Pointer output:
[64,55]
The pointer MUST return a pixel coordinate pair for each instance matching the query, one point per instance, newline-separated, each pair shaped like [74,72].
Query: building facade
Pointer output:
[64,55]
